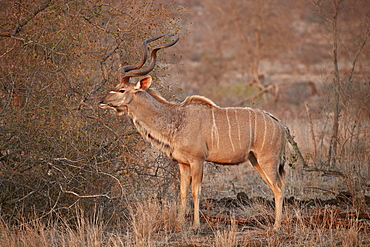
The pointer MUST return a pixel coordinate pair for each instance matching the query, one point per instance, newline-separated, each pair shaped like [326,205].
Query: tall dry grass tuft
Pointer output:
[152,221]
[86,230]
[228,236]
[32,233]
[78,231]
[321,226]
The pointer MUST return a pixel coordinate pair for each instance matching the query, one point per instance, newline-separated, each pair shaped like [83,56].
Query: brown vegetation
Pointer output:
[73,175]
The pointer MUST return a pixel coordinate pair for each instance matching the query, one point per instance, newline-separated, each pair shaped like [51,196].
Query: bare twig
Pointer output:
[71,161]
[325,171]
[22,198]
[358,53]
[40,8]
[92,23]
[30,42]
[85,196]
[104,77]
[311,129]
[101,172]
[270,88]
[318,188]
[295,147]
[336,81]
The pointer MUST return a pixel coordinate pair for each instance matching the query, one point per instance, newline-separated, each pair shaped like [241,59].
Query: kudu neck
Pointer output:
[147,109]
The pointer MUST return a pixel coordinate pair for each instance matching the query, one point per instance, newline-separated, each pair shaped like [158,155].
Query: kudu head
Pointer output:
[122,94]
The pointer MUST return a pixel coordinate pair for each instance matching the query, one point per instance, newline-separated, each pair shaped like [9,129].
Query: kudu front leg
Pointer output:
[196,185]
[185,177]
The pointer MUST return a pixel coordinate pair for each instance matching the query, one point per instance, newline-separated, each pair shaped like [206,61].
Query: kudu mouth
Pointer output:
[103,105]
[118,110]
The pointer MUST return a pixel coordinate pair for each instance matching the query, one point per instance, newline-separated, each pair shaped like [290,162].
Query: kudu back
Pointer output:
[197,130]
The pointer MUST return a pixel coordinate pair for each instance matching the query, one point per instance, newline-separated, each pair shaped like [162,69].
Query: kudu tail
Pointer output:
[281,170]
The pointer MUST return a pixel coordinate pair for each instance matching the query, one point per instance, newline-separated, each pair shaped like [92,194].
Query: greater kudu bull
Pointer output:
[197,130]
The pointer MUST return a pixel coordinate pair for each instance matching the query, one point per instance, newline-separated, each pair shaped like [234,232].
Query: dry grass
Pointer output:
[153,222]
[38,233]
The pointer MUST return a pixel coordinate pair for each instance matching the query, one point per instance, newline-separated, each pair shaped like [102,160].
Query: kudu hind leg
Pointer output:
[270,174]
[279,197]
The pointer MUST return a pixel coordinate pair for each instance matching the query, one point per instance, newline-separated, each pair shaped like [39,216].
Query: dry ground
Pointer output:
[236,211]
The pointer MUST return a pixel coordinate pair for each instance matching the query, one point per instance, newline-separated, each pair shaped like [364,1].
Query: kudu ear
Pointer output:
[144,83]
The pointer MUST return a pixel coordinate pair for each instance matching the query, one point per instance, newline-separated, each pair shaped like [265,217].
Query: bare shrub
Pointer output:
[56,149]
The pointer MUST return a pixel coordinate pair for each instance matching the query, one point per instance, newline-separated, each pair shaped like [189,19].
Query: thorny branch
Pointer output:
[79,167]
[18,28]
[104,77]
[27,42]
[85,196]
[40,8]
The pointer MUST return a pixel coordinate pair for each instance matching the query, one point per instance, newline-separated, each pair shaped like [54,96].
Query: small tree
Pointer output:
[341,81]
[349,29]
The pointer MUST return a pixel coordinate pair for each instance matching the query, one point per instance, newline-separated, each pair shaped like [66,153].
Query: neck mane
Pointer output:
[194,99]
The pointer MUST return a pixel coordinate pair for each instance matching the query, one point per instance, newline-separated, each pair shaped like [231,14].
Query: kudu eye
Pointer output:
[122,91]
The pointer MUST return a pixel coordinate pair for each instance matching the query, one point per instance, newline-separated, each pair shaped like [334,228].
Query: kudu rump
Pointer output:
[197,130]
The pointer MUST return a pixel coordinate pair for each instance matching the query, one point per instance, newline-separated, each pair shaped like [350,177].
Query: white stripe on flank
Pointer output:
[214,131]
[264,129]
[255,126]
[239,134]
[250,130]
[228,122]
[273,130]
